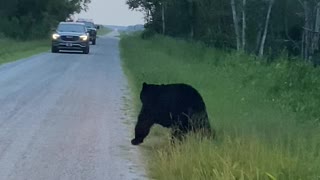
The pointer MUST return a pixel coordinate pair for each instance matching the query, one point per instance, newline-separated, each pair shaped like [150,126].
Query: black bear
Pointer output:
[176,106]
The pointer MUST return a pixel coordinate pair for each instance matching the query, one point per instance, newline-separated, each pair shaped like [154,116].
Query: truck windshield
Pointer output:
[71,28]
[88,24]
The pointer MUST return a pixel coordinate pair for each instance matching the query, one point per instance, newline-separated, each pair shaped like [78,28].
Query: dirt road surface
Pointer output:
[62,117]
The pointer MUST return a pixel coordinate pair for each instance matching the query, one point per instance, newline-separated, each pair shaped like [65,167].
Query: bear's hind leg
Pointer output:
[178,133]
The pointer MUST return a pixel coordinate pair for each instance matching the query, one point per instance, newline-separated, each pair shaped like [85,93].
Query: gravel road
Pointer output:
[62,117]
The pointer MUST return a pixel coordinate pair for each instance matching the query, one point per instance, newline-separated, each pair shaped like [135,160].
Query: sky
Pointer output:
[112,12]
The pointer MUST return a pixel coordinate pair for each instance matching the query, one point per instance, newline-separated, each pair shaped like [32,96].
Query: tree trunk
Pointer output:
[258,38]
[236,23]
[244,25]
[163,18]
[303,41]
[192,17]
[307,30]
[261,51]
[315,37]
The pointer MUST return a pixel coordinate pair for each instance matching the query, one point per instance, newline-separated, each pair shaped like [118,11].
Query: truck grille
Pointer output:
[70,38]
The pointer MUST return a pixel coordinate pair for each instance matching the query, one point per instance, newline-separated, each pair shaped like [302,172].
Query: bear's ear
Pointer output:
[144,85]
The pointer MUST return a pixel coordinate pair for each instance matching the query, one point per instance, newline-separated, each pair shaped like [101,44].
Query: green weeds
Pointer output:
[266,116]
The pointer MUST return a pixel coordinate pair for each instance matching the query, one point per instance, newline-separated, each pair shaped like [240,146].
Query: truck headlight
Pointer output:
[55,36]
[84,37]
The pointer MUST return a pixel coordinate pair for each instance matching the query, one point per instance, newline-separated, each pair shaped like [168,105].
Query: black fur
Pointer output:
[176,106]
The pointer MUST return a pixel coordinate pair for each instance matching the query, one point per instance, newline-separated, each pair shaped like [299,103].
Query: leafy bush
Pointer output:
[148,33]
[293,85]
[24,28]
[33,19]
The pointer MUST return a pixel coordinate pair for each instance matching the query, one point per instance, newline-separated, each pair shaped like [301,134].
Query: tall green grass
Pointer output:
[11,50]
[103,30]
[259,134]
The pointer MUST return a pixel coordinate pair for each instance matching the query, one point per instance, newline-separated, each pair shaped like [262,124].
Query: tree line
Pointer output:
[266,27]
[29,19]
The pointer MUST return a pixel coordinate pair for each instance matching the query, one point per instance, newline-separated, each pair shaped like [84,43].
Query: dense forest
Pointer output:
[30,19]
[267,27]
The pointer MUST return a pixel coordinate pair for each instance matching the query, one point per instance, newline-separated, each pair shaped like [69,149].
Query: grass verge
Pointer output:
[258,134]
[103,30]
[11,50]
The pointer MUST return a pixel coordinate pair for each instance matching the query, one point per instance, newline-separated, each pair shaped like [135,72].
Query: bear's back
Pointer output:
[178,98]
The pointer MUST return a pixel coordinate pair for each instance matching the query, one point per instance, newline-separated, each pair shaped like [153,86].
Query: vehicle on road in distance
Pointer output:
[71,36]
[92,29]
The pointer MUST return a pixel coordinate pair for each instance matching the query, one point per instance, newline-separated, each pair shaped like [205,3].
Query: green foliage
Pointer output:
[297,85]
[259,135]
[148,33]
[210,21]
[11,50]
[30,19]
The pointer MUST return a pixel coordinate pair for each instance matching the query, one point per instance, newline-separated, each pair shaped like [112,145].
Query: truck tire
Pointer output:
[54,49]
[86,50]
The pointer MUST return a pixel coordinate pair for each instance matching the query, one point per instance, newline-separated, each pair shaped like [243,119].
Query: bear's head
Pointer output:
[146,93]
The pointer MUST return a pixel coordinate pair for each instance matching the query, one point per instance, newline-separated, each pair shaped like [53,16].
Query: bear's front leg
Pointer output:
[142,129]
